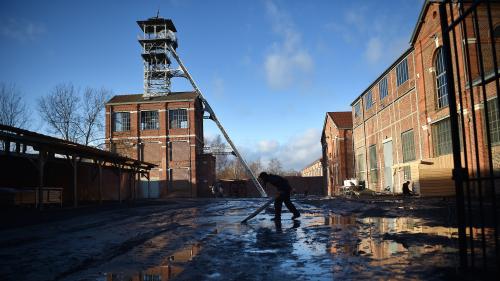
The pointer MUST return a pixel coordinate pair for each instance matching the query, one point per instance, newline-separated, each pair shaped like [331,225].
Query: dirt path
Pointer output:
[203,240]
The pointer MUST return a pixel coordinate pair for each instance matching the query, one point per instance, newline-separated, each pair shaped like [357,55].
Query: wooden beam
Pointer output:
[149,197]
[120,184]
[41,169]
[75,178]
[100,163]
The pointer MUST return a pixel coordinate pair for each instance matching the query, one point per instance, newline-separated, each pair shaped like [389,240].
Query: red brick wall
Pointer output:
[176,151]
[413,105]
[337,154]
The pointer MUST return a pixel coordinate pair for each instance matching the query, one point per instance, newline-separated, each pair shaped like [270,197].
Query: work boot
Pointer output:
[296,216]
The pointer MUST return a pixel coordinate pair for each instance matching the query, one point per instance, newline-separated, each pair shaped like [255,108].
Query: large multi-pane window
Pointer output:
[441,137]
[407,173]
[368,100]
[357,109]
[361,166]
[382,88]
[442,92]
[373,164]
[149,120]
[402,72]
[408,143]
[121,121]
[178,118]
[494,121]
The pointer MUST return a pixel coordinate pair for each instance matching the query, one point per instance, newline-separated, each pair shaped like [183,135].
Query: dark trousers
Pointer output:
[284,197]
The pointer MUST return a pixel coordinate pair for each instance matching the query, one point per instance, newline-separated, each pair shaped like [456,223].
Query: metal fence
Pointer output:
[471,49]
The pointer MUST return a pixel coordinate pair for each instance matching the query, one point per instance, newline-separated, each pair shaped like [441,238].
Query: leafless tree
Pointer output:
[275,167]
[256,167]
[92,125]
[60,110]
[13,109]
[291,172]
[222,161]
[71,117]
[233,170]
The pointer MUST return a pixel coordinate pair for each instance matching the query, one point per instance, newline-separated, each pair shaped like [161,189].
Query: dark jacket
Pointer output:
[281,183]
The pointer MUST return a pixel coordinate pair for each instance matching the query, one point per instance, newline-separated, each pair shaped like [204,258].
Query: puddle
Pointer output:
[319,246]
[168,269]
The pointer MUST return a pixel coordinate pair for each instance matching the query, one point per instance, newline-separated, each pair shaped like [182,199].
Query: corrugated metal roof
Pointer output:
[342,119]
[139,98]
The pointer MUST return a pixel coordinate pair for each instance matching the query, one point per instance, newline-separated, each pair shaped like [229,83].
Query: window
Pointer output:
[357,109]
[361,166]
[408,143]
[382,88]
[407,173]
[178,118]
[494,121]
[149,120]
[442,92]
[121,121]
[402,72]
[373,164]
[368,100]
[441,137]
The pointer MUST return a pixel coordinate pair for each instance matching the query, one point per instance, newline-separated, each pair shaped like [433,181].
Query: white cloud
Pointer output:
[373,50]
[267,146]
[294,153]
[21,29]
[287,63]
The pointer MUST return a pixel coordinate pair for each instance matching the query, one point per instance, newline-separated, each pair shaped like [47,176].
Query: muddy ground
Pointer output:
[334,239]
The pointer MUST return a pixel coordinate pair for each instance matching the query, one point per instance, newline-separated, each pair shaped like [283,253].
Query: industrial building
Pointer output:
[160,126]
[315,169]
[401,122]
[336,143]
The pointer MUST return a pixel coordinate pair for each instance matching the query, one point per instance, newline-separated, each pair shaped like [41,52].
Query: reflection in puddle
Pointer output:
[168,269]
[383,240]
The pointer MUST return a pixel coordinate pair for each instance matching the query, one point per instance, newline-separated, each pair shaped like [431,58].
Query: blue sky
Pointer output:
[269,68]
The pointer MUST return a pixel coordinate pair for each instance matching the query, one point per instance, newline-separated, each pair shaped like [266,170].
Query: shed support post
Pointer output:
[100,163]
[41,167]
[149,182]
[130,177]
[75,179]
[120,183]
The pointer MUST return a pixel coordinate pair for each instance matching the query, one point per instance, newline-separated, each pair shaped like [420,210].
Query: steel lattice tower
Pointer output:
[157,34]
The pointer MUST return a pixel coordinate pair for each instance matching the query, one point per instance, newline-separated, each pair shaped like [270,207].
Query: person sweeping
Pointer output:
[283,195]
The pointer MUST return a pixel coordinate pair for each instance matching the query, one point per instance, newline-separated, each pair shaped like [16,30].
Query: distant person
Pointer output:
[283,196]
[220,190]
[406,189]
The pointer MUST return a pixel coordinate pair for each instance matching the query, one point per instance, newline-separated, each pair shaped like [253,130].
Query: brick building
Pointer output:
[315,169]
[401,125]
[166,131]
[336,142]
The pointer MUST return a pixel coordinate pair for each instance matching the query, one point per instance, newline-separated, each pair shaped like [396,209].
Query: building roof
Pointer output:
[312,164]
[139,98]
[420,20]
[160,22]
[342,119]
[414,35]
[64,147]
[387,70]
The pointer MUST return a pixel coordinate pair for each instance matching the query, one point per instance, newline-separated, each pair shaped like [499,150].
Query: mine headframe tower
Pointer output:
[157,35]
